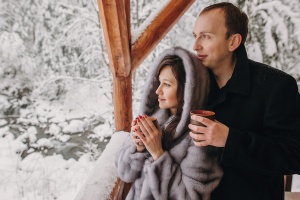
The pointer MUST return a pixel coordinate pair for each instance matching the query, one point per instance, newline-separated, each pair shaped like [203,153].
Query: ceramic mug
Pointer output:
[203,113]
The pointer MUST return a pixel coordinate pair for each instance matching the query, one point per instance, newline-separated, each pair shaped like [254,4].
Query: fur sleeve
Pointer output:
[194,178]
[130,162]
[201,170]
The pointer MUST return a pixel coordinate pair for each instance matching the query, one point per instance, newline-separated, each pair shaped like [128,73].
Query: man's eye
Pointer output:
[205,37]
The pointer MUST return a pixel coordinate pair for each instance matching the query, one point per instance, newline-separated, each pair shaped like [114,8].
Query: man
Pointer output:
[257,110]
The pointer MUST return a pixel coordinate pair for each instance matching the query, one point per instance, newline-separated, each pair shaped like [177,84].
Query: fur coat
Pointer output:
[185,171]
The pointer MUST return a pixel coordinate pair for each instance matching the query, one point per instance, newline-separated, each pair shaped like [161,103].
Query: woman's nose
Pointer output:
[158,90]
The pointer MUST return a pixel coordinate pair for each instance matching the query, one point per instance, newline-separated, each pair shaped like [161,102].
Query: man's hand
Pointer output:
[214,134]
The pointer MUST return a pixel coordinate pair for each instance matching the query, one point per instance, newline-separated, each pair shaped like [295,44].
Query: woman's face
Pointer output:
[167,90]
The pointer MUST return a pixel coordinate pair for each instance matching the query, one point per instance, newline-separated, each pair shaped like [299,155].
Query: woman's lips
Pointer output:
[160,99]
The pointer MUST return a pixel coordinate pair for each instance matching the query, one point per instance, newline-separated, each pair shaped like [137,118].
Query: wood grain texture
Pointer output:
[122,97]
[115,19]
[158,28]
[127,11]
[114,22]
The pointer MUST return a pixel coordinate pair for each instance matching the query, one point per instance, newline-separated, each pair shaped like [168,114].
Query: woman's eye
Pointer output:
[167,85]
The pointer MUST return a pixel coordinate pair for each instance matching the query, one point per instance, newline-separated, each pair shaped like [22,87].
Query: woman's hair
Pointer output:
[176,64]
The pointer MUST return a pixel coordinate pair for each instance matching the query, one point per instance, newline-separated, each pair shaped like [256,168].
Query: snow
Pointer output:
[56,87]
[44,143]
[4,104]
[53,129]
[75,126]
[271,47]
[39,177]
[136,33]
[11,41]
[3,131]
[101,179]
[254,52]
[53,177]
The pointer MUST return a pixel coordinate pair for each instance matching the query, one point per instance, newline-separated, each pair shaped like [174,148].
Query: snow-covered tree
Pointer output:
[274,34]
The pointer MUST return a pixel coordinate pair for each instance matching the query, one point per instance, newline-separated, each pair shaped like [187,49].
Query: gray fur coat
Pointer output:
[186,171]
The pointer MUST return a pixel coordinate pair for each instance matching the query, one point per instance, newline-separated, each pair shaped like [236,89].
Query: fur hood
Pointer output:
[195,90]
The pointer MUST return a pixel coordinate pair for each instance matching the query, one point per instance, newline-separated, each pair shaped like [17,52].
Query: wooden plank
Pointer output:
[114,23]
[122,102]
[116,193]
[157,30]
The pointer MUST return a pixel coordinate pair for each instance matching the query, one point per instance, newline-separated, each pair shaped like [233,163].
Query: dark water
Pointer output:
[78,144]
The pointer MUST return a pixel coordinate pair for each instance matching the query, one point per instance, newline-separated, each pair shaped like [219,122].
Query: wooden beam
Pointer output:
[127,11]
[114,18]
[122,102]
[159,27]
[114,22]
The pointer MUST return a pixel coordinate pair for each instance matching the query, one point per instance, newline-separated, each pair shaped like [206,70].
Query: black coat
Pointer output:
[261,107]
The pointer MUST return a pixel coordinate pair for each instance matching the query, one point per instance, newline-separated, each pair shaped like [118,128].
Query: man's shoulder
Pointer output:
[265,72]
[262,68]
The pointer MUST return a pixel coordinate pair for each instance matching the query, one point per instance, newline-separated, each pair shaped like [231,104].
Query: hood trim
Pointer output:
[195,90]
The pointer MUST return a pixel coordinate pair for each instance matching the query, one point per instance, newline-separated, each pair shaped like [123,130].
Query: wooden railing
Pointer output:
[120,190]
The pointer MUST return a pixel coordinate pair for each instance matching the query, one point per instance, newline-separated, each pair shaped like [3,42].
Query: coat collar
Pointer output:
[240,79]
[238,83]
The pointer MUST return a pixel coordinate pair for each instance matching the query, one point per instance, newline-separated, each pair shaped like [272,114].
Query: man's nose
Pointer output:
[197,44]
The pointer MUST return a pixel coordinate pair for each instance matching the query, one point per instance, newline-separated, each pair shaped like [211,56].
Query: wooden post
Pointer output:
[123,102]
[114,22]
[113,15]
[127,12]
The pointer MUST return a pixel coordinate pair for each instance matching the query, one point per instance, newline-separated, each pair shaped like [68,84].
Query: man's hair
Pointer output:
[236,21]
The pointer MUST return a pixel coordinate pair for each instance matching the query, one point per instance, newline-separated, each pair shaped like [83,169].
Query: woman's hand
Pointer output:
[150,136]
[135,137]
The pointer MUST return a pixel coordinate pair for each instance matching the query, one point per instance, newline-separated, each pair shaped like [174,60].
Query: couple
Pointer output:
[244,154]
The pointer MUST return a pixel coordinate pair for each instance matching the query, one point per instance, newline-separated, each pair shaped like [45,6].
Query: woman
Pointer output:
[163,163]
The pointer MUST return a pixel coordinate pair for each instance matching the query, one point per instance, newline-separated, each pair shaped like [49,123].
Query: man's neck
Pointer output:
[223,73]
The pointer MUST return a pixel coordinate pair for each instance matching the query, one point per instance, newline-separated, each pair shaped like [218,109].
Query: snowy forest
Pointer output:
[56,110]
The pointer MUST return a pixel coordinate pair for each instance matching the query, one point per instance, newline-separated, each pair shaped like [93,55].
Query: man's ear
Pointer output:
[234,41]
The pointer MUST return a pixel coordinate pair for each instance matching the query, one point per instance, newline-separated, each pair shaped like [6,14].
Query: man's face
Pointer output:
[211,44]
